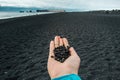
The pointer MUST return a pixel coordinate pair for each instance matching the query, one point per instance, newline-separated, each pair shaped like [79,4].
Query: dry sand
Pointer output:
[24,44]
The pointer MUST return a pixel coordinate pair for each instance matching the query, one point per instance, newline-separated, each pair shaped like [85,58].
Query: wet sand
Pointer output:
[24,44]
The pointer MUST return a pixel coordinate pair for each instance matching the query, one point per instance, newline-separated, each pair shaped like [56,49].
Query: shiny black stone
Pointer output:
[61,53]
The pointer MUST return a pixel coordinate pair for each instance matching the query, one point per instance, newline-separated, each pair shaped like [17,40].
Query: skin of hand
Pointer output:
[69,66]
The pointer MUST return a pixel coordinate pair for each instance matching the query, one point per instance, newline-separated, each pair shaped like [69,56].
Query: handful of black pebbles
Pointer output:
[61,53]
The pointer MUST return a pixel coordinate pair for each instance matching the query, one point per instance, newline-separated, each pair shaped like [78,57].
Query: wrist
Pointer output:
[62,74]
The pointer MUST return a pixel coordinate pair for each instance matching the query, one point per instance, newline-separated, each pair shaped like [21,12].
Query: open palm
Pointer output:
[69,66]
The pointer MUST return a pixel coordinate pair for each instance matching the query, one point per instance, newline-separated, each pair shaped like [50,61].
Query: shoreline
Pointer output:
[9,15]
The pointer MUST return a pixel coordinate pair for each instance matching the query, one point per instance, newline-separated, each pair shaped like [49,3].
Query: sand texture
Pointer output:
[24,44]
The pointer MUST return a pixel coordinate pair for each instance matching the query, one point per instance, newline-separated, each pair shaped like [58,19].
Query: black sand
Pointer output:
[24,45]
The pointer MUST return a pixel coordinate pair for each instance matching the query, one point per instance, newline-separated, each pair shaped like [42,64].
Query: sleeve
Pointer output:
[68,77]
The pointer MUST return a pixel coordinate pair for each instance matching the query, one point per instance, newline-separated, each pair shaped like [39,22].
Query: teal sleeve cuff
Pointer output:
[68,77]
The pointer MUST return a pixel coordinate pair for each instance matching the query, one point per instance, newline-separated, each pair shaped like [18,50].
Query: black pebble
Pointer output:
[61,53]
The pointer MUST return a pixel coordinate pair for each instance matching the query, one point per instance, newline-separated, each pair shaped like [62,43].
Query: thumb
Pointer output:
[72,51]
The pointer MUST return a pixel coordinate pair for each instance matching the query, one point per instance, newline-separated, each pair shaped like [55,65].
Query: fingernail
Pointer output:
[71,48]
[58,37]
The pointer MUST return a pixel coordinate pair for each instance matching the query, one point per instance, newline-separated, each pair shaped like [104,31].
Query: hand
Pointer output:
[69,66]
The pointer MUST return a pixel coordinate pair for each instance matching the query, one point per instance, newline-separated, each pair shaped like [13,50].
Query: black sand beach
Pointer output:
[24,44]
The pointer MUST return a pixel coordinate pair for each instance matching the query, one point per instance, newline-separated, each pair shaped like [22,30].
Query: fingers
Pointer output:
[72,51]
[51,53]
[61,42]
[56,41]
[65,42]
